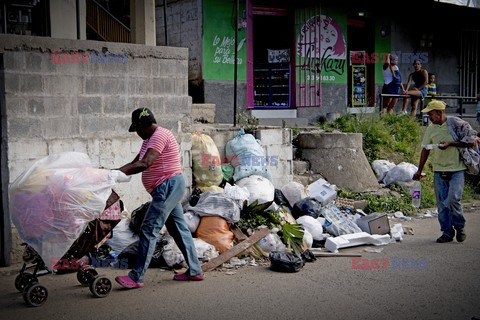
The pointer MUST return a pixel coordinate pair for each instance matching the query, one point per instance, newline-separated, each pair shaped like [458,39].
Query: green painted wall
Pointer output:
[382,45]
[331,56]
[219,41]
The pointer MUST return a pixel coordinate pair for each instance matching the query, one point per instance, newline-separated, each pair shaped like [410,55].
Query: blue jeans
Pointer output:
[448,191]
[165,209]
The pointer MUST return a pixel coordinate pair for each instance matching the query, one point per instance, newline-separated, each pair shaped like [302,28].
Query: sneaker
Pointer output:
[444,239]
[127,282]
[461,235]
[185,277]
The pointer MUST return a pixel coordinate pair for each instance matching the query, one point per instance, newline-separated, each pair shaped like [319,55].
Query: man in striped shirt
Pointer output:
[159,163]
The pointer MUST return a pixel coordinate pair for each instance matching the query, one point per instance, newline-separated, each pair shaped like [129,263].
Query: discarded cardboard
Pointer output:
[236,250]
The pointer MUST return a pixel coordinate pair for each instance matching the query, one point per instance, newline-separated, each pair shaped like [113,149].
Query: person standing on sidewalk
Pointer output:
[448,170]
[159,163]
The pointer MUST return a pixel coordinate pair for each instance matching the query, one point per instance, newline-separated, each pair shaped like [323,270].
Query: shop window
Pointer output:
[25,17]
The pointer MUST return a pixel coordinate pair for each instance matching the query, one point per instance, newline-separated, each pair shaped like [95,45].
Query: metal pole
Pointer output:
[165,20]
[235,66]
[77,3]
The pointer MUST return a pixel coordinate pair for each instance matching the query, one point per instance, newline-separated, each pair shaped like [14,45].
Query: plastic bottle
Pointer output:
[416,194]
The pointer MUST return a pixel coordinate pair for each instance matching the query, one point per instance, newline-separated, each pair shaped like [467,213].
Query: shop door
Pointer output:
[272,32]
[361,75]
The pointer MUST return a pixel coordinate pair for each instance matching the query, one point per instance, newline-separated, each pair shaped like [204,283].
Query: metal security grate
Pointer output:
[469,63]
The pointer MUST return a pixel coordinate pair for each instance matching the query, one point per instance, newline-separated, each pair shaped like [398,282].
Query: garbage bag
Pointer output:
[195,196]
[247,157]
[285,262]
[260,188]
[172,254]
[313,226]
[211,189]
[215,230]
[280,198]
[381,168]
[294,192]
[402,172]
[192,221]
[236,193]
[52,202]
[308,256]
[122,236]
[307,207]
[205,251]
[206,169]
[271,242]
[137,217]
[216,204]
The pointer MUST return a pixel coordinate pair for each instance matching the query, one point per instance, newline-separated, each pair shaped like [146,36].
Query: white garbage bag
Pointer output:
[260,188]
[216,204]
[122,236]
[381,167]
[271,242]
[236,192]
[192,221]
[313,226]
[402,172]
[294,192]
[205,251]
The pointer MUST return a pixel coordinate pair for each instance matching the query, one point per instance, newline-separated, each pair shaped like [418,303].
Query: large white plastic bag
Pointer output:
[260,188]
[271,242]
[236,192]
[52,201]
[248,156]
[402,172]
[294,192]
[207,170]
[192,221]
[381,168]
[313,226]
[122,236]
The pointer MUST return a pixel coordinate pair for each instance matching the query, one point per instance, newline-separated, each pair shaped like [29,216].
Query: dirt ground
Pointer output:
[433,281]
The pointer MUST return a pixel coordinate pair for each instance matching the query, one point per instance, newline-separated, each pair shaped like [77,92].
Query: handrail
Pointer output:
[105,24]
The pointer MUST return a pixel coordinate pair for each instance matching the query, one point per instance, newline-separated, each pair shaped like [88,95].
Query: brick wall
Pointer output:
[86,107]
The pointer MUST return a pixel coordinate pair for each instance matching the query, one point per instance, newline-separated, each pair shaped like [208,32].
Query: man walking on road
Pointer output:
[159,162]
[448,168]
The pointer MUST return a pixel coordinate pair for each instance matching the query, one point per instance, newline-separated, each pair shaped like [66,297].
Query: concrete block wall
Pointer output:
[275,141]
[86,107]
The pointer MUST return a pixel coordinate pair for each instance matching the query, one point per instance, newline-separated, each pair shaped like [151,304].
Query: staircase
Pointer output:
[105,26]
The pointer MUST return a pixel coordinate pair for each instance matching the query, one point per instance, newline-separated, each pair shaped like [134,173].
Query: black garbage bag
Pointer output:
[280,199]
[137,217]
[285,261]
[129,254]
[307,207]
[195,197]
[308,256]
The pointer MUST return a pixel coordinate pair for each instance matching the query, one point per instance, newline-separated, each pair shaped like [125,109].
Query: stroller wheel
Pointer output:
[101,287]
[86,276]
[23,280]
[35,295]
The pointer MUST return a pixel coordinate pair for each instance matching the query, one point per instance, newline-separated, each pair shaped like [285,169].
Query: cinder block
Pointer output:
[300,167]
[24,128]
[178,105]
[329,140]
[34,61]
[63,85]
[31,83]
[105,85]
[36,107]
[287,135]
[163,85]
[140,86]
[14,61]
[27,149]
[96,126]
[16,106]
[115,105]
[67,145]
[139,67]
[59,106]
[60,127]
[12,82]
[181,86]
[89,105]
[270,136]
[17,167]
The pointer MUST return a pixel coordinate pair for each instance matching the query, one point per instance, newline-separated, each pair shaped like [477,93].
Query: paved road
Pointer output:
[449,288]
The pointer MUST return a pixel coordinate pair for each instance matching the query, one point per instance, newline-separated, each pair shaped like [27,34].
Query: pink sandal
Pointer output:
[127,282]
[185,277]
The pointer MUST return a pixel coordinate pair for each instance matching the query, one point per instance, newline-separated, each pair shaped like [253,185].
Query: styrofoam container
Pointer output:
[322,191]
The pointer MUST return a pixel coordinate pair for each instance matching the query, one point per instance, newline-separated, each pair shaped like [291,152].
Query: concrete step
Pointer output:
[300,167]
[286,122]
[203,112]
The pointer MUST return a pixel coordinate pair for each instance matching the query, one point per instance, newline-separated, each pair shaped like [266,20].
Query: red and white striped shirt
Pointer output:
[167,164]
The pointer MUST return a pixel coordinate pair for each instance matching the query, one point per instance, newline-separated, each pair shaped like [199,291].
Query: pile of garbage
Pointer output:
[234,198]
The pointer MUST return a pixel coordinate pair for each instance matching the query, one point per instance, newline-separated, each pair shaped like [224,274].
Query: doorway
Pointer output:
[361,75]
[272,43]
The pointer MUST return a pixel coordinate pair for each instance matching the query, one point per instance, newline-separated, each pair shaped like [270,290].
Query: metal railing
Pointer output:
[105,25]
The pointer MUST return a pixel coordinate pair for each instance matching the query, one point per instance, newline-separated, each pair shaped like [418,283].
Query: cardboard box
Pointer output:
[374,224]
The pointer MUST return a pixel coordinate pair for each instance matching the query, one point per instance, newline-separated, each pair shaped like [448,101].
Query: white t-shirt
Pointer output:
[387,74]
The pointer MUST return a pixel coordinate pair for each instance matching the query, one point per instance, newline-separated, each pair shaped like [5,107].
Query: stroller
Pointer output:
[63,207]
[87,244]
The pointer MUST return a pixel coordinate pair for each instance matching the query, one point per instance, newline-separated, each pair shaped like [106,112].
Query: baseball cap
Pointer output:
[435,105]
[142,117]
